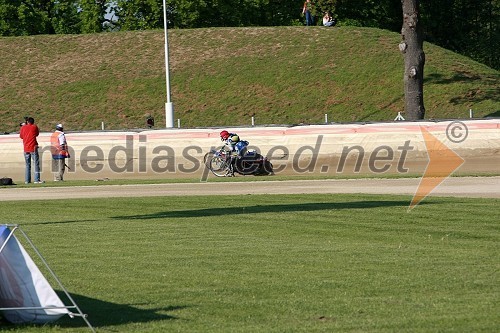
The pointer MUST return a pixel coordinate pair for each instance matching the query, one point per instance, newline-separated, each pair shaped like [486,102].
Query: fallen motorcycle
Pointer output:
[222,164]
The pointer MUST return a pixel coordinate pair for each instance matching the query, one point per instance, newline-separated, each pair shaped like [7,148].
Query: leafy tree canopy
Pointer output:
[469,27]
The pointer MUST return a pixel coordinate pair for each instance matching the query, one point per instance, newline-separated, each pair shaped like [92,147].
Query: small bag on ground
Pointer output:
[6,181]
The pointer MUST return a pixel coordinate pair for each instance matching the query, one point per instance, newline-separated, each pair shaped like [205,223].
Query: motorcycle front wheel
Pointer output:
[219,166]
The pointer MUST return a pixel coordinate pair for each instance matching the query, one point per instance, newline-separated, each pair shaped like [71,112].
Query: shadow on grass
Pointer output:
[456,77]
[493,115]
[218,211]
[101,313]
[491,92]
[63,222]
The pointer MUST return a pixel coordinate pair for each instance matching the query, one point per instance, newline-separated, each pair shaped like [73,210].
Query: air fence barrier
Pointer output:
[334,149]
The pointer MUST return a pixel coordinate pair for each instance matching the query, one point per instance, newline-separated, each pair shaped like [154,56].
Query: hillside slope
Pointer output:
[224,76]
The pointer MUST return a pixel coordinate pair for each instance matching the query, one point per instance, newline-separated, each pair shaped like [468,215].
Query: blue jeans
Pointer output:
[36,161]
[309,18]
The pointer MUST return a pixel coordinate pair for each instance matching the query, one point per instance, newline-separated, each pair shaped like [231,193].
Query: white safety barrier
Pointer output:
[382,148]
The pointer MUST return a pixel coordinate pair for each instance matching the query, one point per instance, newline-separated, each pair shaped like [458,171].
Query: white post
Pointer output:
[102,125]
[179,123]
[399,117]
[169,107]
[326,118]
[253,121]
[471,113]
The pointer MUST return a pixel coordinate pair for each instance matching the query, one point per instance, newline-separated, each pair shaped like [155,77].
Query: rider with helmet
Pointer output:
[233,143]
[225,136]
[240,160]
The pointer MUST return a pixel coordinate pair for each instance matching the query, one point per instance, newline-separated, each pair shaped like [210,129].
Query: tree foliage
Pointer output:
[92,15]
[139,14]
[470,27]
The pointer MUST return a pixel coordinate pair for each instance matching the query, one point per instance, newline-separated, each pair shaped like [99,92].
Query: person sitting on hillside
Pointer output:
[328,20]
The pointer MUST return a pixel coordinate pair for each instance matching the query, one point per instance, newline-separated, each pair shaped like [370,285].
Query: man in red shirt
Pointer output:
[28,133]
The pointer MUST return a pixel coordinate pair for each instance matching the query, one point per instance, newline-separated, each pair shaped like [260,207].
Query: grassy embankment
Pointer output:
[224,76]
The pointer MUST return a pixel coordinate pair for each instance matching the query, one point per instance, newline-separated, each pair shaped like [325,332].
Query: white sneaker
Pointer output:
[39,182]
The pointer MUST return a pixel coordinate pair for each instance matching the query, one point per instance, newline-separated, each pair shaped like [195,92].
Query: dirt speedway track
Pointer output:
[471,187]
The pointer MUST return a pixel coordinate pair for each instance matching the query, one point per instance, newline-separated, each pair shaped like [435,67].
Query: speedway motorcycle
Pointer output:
[222,163]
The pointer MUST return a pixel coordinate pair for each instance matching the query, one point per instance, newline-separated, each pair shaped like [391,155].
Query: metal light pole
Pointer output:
[169,107]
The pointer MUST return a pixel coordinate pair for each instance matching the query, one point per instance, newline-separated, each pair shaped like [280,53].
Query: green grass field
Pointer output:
[266,263]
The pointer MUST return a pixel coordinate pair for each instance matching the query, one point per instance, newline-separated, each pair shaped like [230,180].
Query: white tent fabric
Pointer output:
[23,287]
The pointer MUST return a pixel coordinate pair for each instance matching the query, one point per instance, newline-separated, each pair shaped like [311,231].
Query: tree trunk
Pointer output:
[412,48]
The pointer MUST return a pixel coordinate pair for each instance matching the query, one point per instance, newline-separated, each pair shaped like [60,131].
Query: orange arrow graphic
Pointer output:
[442,163]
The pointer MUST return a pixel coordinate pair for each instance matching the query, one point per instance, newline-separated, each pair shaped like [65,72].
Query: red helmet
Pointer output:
[224,135]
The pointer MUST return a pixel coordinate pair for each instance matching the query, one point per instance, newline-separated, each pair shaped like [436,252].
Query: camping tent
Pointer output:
[25,294]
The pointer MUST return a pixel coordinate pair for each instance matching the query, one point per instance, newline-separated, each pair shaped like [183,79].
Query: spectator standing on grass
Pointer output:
[28,133]
[59,150]
[307,12]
